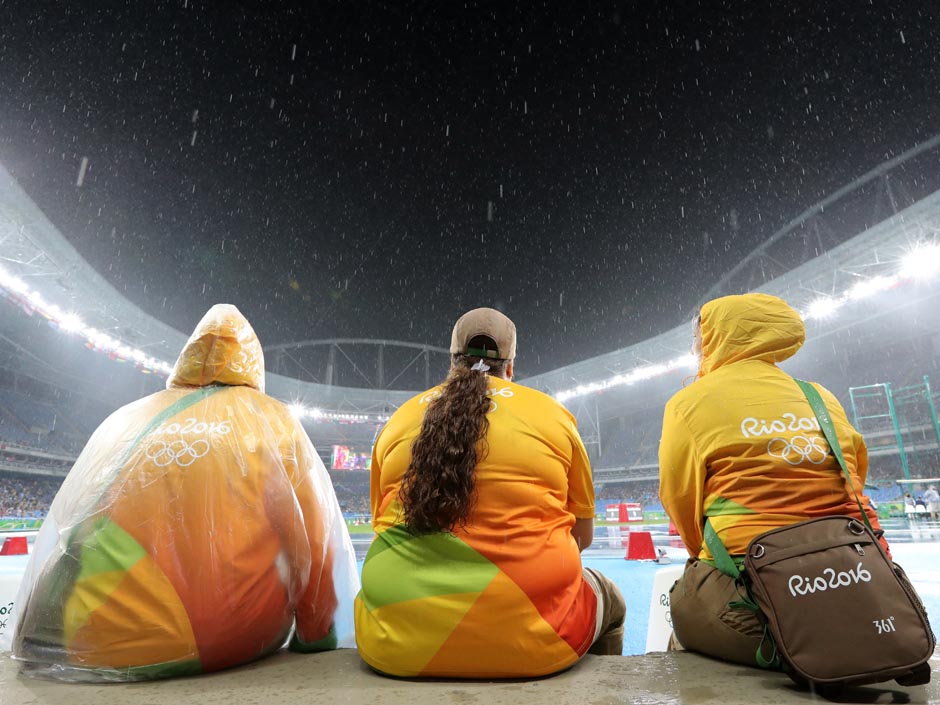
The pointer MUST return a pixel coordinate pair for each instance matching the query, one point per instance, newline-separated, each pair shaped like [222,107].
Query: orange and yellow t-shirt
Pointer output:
[505,596]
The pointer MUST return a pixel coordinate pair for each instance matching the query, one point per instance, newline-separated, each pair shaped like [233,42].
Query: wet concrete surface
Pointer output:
[340,677]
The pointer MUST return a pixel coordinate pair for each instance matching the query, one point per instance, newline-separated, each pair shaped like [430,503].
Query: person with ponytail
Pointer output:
[482,500]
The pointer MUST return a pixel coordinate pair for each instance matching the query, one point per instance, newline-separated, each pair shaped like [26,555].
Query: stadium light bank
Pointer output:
[920,264]
[303,412]
[72,324]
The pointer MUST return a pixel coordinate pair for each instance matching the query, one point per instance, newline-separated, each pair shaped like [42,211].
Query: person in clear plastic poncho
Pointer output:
[197,527]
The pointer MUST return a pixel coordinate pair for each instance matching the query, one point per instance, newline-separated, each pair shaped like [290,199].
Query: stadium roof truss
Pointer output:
[378,371]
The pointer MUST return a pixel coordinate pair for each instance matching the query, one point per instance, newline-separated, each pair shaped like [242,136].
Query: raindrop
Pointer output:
[81,172]
[902,38]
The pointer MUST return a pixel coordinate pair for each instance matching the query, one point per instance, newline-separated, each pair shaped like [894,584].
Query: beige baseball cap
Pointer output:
[485,322]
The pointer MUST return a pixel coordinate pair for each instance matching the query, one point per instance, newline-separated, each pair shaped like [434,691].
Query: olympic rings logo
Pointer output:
[184,454]
[799,449]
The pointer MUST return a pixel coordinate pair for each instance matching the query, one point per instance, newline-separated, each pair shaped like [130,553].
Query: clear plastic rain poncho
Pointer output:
[197,530]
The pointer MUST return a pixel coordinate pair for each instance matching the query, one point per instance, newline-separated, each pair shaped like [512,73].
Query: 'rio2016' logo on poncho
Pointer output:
[751,427]
[829,580]
[192,426]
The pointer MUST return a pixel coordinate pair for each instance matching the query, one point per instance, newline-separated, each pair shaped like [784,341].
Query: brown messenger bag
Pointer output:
[839,610]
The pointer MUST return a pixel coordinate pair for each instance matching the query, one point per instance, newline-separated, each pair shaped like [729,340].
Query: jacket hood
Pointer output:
[222,350]
[748,327]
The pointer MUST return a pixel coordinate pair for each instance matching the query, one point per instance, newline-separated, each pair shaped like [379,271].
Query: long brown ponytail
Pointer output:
[437,490]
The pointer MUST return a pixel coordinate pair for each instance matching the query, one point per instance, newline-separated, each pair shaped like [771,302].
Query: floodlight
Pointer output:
[824,307]
[923,262]
[869,287]
[13,283]
[71,323]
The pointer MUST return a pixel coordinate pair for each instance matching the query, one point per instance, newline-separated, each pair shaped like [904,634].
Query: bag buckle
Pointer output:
[856,527]
[757,551]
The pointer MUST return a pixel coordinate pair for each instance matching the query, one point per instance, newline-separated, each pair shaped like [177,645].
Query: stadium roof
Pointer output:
[38,259]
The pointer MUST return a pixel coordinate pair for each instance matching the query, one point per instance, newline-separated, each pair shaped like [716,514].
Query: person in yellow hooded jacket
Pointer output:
[197,530]
[741,448]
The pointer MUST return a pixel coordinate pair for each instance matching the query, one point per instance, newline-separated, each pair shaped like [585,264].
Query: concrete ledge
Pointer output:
[339,677]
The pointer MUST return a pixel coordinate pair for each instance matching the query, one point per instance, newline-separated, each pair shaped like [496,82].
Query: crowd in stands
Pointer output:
[23,496]
[645,492]
[352,491]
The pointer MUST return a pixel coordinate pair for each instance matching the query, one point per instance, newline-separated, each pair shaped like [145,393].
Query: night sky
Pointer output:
[374,170]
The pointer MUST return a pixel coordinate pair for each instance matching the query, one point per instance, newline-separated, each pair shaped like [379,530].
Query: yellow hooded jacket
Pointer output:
[741,445]
[196,528]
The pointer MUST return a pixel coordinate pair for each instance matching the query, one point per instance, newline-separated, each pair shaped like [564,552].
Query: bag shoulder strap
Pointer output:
[829,431]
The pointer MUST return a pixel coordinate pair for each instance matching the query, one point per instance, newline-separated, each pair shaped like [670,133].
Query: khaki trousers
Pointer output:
[703,621]
[611,610]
